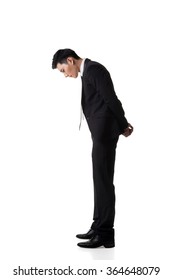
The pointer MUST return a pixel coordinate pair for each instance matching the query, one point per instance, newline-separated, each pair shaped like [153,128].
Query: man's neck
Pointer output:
[78,63]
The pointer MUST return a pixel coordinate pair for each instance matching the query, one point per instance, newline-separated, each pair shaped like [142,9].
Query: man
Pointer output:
[106,120]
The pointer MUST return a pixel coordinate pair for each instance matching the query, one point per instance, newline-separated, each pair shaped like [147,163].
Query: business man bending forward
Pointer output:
[106,120]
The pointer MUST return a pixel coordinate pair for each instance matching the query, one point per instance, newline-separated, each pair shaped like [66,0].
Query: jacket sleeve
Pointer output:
[101,80]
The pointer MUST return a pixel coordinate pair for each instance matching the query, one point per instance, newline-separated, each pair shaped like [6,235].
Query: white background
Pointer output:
[46,176]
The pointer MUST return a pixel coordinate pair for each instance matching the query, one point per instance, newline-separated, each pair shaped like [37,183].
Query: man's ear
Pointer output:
[70,60]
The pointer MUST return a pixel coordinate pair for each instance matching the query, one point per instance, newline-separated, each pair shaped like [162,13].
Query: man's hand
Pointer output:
[128,131]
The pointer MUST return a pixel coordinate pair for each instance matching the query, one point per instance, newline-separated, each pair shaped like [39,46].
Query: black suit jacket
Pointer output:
[98,95]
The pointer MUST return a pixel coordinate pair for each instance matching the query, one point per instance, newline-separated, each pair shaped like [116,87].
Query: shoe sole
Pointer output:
[106,245]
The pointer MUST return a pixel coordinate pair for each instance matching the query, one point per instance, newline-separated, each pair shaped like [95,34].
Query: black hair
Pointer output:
[61,56]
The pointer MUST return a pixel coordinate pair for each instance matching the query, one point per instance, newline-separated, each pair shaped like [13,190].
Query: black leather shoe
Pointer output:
[97,241]
[87,235]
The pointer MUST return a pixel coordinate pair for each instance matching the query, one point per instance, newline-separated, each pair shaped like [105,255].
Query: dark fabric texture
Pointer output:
[98,94]
[106,120]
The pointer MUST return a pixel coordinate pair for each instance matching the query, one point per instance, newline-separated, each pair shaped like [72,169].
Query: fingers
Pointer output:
[128,131]
[130,126]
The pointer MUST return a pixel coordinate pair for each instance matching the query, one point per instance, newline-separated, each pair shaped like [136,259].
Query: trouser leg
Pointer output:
[103,160]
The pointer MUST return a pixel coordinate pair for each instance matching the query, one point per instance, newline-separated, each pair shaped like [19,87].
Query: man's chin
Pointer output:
[75,76]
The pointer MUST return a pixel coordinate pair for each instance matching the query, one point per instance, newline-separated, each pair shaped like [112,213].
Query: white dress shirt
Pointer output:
[81,112]
[82,66]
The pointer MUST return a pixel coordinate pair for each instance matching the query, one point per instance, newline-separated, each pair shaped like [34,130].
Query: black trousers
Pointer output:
[105,135]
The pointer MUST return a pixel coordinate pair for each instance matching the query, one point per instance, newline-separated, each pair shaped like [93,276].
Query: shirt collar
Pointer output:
[82,67]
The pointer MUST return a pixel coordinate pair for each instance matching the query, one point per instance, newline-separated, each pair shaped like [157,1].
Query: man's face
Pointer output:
[69,69]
